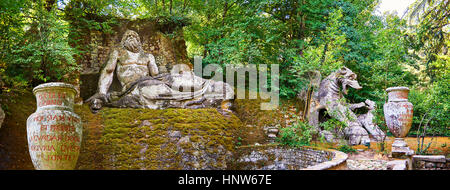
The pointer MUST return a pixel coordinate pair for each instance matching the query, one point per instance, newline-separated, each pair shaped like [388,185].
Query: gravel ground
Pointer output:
[367,160]
[367,164]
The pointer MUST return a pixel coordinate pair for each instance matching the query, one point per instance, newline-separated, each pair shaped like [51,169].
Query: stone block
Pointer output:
[400,152]
[430,158]
[440,165]
[397,165]
[430,165]
[420,164]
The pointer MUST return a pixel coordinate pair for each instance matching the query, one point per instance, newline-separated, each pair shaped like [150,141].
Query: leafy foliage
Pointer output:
[299,134]
[35,45]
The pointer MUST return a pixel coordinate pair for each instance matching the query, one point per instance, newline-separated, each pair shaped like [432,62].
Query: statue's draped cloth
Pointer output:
[170,90]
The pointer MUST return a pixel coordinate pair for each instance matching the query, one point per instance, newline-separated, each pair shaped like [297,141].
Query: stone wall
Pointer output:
[434,162]
[271,157]
[165,43]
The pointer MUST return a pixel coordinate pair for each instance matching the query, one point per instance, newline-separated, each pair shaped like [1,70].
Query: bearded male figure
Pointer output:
[144,87]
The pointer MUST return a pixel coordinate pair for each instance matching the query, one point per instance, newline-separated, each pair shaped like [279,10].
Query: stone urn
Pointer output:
[54,131]
[398,113]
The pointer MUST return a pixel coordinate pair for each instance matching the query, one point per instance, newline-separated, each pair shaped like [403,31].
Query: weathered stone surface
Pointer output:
[430,158]
[367,121]
[272,133]
[143,86]
[273,130]
[54,131]
[397,165]
[174,134]
[367,164]
[267,157]
[398,112]
[430,165]
[184,140]
[329,98]
[174,139]
[430,162]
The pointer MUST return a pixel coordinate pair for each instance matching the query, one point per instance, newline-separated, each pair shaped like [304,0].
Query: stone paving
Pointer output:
[367,160]
[364,164]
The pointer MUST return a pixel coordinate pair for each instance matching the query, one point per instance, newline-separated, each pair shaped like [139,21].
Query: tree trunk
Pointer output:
[170,8]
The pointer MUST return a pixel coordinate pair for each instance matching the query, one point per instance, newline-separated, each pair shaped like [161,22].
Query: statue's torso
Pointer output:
[131,67]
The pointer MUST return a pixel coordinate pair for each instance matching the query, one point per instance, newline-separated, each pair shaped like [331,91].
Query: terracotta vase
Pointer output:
[54,131]
[398,112]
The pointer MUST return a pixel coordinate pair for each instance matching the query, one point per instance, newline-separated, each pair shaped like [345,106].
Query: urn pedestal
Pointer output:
[54,131]
[398,113]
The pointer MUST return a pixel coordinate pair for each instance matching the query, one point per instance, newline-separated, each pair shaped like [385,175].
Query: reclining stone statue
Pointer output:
[330,99]
[144,87]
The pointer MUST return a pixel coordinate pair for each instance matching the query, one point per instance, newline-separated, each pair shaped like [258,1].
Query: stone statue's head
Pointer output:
[348,78]
[371,105]
[96,105]
[131,41]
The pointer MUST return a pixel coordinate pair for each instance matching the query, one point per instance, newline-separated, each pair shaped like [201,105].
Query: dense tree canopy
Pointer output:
[300,35]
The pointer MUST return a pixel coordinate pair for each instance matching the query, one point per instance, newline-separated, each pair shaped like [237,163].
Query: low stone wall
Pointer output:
[273,157]
[435,162]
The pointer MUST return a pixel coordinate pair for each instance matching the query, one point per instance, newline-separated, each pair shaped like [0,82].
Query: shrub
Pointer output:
[346,149]
[434,103]
[299,134]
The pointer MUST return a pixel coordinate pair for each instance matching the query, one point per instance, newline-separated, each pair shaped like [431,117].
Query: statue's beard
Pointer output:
[132,45]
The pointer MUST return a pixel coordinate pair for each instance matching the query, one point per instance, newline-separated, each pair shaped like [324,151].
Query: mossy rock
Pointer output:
[118,138]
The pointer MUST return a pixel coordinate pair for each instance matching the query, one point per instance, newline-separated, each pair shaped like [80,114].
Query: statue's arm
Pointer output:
[152,67]
[356,106]
[107,74]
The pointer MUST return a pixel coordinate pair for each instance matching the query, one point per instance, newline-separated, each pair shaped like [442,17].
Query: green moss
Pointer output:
[126,143]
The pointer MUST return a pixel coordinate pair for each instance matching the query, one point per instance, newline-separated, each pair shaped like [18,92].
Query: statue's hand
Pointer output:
[371,105]
[97,101]
[358,105]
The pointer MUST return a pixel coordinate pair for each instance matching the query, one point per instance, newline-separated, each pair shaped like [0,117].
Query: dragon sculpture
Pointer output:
[330,99]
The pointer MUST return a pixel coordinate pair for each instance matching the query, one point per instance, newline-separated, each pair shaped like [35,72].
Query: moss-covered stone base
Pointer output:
[157,139]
